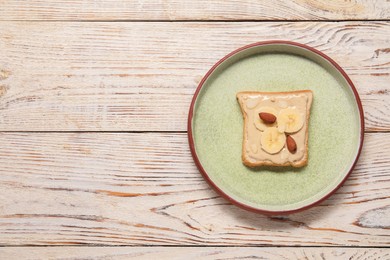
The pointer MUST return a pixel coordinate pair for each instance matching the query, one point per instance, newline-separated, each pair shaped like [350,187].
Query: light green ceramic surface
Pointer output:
[334,127]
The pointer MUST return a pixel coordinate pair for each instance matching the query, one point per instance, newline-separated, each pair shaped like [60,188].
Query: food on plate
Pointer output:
[276,127]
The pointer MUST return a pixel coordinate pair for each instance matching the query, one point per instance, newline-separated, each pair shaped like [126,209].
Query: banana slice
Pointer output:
[290,120]
[258,122]
[272,141]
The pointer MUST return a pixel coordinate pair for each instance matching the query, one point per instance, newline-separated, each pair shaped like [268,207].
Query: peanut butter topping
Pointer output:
[290,111]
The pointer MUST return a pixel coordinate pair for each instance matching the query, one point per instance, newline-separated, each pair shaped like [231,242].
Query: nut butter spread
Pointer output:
[277,141]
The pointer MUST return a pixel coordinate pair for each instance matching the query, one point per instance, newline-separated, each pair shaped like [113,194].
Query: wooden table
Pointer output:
[94,157]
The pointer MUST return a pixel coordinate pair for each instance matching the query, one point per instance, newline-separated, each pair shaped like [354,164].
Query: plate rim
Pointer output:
[192,143]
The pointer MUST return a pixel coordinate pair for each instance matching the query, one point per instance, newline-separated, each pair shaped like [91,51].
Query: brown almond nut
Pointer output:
[291,144]
[268,118]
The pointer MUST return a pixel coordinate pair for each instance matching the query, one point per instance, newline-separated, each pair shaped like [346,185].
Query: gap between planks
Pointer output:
[198,21]
[135,132]
[196,246]
[102,131]
[129,132]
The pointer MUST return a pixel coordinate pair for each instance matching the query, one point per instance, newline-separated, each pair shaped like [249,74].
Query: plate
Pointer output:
[336,126]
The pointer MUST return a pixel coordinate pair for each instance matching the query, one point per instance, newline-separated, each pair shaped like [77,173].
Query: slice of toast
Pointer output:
[275,127]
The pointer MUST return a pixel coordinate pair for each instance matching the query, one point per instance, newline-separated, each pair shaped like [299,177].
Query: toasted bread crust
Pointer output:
[297,164]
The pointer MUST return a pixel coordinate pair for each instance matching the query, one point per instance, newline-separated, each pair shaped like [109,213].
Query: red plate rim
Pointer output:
[192,145]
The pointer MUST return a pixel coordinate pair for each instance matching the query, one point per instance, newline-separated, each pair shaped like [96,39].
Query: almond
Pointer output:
[291,144]
[268,118]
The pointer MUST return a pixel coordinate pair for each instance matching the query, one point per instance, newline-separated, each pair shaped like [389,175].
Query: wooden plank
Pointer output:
[141,76]
[147,253]
[143,189]
[193,10]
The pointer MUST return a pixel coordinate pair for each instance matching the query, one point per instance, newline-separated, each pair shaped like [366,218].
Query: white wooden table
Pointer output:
[94,157]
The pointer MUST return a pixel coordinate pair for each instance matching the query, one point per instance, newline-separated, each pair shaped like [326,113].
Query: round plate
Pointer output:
[336,126]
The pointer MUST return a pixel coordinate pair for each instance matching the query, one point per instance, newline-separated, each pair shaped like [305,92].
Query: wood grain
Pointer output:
[147,253]
[194,10]
[72,76]
[143,189]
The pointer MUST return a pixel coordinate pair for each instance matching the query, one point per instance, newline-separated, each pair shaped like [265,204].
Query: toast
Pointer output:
[276,127]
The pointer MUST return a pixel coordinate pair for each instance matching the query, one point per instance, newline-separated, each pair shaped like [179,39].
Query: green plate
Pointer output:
[336,126]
